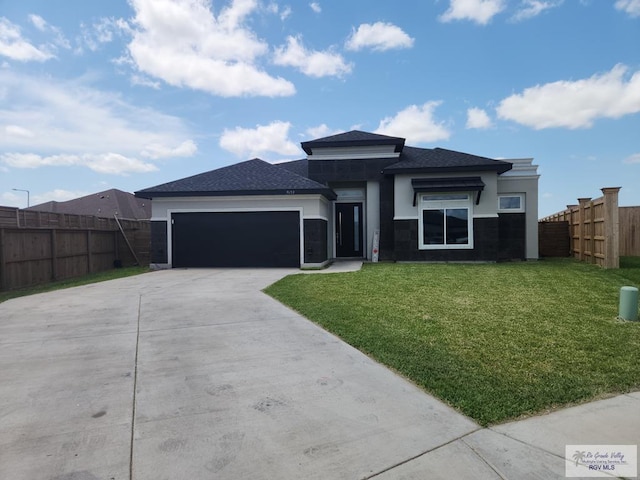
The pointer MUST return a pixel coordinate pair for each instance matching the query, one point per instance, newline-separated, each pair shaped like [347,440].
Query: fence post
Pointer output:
[568,216]
[54,255]
[3,264]
[592,232]
[582,227]
[89,253]
[116,245]
[611,228]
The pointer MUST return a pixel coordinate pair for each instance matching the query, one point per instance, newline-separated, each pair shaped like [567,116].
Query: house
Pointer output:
[353,192]
[102,204]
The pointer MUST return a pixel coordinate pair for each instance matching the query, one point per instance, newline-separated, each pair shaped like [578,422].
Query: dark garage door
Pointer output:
[236,239]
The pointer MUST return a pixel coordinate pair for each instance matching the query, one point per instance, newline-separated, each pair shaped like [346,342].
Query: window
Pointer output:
[445,221]
[511,203]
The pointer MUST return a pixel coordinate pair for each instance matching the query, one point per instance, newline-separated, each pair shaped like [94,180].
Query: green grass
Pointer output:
[496,341]
[75,282]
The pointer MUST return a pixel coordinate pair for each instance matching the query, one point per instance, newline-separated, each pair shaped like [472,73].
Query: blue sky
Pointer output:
[130,94]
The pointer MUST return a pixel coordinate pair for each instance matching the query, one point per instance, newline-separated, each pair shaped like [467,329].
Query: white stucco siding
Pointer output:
[313,206]
[403,195]
[528,185]
[310,207]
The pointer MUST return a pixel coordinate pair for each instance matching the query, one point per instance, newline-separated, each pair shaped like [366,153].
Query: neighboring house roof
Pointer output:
[417,160]
[354,138]
[252,177]
[101,204]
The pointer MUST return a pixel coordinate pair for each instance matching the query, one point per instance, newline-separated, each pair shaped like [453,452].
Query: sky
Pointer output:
[129,94]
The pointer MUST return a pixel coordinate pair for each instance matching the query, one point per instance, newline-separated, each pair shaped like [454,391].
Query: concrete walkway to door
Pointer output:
[196,374]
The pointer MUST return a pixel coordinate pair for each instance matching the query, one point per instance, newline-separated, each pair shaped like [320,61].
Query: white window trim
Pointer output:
[426,204]
[521,196]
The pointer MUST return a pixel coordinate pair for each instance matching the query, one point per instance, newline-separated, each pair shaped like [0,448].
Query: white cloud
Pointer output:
[632,7]
[38,22]
[156,150]
[321,131]
[310,62]
[69,124]
[478,118]
[533,8]
[633,159]
[575,104]
[415,123]
[57,195]
[285,13]
[379,36]
[185,45]
[12,199]
[13,46]
[315,6]
[42,25]
[103,31]
[116,164]
[264,139]
[143,81]
[18,131]
[111,163]
[478,11]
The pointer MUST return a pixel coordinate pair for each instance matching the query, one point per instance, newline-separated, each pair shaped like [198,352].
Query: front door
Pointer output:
[349,230]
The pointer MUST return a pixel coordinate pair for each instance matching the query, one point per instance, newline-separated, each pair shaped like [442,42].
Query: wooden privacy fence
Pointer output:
[40,247]
[629,231]
[594,228]
[554,239]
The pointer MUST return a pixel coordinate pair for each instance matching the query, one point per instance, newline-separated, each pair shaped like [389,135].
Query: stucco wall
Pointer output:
[403,195]
[313,206]
[488,206]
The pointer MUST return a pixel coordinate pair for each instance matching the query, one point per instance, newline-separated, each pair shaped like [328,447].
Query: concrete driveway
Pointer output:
[195,374]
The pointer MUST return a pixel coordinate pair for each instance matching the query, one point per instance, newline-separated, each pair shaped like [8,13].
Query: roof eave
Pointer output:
[499,169]
[326,192]
[397,142]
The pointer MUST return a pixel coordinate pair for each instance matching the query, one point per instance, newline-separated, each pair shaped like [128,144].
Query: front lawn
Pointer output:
[495,341]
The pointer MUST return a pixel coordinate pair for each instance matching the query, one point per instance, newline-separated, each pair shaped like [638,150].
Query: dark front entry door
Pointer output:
[349,230]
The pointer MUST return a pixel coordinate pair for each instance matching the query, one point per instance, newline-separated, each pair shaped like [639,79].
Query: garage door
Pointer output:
[236,239]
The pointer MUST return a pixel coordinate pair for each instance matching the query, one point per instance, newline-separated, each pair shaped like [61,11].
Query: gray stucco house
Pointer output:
[355,195]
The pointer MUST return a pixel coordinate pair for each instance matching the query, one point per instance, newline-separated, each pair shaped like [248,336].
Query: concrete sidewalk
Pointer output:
[196,374]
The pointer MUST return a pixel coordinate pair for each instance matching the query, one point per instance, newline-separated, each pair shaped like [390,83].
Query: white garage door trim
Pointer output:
[171,211]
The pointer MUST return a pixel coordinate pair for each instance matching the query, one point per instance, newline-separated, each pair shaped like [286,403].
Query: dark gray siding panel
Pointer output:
[362,170]
[159,242]
[315,241]
[513,228]
[236,239]
[348,170]
[386,219]
[485,231]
